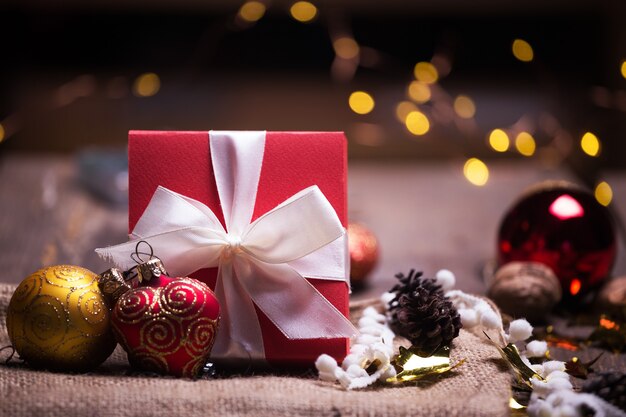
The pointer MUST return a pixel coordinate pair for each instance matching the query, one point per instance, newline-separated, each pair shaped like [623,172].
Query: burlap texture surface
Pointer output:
[480,387]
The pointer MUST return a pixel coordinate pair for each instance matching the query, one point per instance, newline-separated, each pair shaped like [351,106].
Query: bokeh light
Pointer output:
[525,144]
[426,72]
[417,123]
[303,11]
[346,47]
[147,85]
[623,68]
[464,107]
[499,140]
[522,50]
[603,193]
[476,171]
[574,286]
[419,91]
[403,109]
[361,102]
[590,144]
[252,11]
[2,133]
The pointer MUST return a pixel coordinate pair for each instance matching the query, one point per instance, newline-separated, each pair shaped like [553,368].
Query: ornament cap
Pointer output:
[153,268]
[112,285]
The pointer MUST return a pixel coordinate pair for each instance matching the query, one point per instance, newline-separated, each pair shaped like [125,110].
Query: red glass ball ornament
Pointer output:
[562,226]
[167,325]
[363,247]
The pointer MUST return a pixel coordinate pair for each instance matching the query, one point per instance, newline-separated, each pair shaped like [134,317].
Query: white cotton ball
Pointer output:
[538,368]
[558,374]
[362,382]
[567,410]
[352,359]
[383,349]
[386,298]
[355,371]
[469,317]
[534,407]
[556,384]
[387,337]
[374,315]
[536,349]
[375,331]
[446,279]
[328,377]
[344,379]
[390,372]
[551,366]
[546,410]
[367,321]
[540,387]
[490,319]
[358,349]
[366,339]
[520,330]
[326,363]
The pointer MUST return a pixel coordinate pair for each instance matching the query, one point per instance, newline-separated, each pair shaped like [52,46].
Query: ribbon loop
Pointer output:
[294,228]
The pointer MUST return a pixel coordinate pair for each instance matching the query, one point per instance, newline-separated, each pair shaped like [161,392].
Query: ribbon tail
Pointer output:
[239,335]
[328,262]
[295,307]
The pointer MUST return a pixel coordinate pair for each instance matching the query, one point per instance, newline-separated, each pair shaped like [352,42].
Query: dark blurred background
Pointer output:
[451,108]
[78,74]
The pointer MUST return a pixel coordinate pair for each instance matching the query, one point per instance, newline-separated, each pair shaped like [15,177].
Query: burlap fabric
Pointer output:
[480,387]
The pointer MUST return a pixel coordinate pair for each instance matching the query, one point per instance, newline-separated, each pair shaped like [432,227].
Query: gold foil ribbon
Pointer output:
[412,367]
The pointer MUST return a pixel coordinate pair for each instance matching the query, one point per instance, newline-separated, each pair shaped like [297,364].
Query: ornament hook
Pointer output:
[136,256]
[145,270]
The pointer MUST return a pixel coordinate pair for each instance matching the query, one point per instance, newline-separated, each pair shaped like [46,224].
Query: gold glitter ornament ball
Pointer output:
[57,319]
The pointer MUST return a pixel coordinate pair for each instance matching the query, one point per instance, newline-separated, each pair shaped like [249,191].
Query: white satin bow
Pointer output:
[260,263]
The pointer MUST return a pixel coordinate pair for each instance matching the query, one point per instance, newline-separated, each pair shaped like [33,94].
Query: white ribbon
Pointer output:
[260,263]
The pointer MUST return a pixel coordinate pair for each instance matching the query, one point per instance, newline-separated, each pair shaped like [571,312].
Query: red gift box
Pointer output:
[292,161]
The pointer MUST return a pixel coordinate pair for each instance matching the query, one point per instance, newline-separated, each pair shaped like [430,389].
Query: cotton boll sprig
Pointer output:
[474,311]
[553,394]
[370,355]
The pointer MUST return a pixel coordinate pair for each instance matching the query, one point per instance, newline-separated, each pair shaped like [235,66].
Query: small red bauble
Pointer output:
[167,325]
[562,226]
[363,248]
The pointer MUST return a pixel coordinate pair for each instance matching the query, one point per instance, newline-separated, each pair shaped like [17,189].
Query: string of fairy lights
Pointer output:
[426,103]
[417,122]
[476,171]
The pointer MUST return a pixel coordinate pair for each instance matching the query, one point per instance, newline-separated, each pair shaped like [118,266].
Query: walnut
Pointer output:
[525,289]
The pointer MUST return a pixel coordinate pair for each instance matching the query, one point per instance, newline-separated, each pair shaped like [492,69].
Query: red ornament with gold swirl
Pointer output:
[166,325]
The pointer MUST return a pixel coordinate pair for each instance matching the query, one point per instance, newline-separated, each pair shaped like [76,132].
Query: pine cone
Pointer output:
[421,313]
[610,386]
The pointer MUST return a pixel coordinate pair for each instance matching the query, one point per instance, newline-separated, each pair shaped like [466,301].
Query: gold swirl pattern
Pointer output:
[175,327]
[69,276]
[56,319]
[90,311]
[193,367]
[27,291]
[200,334]
[134,305]
[161,335]
[45,326]
[182,297]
